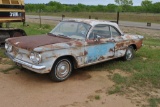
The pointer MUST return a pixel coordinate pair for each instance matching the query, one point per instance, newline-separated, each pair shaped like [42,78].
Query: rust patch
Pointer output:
[85,52]
[129,37]
[139,44]
[132,41]
[57,47]
[91,42]
[49,70]
[31,42]
[111,50]
[70,44]
[78,43]
[101,58]
[110,56]
[119,45]
[81,54]
[48,46]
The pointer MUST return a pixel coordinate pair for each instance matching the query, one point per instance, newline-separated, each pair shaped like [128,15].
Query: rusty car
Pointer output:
[72,44]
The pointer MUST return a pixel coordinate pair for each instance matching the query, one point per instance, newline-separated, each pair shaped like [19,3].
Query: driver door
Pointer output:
[99,45]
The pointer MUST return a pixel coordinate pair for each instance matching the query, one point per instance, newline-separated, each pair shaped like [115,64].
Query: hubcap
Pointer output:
[63,69]
[129,54]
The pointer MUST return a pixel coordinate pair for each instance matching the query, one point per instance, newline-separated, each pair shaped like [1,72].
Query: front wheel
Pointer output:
[61,70]
[129,55]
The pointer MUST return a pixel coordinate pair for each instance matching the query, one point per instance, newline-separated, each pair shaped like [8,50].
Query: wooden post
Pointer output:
[118,17]
[40,20]
[148,24]
[63,16]
[24,23]
[1,25]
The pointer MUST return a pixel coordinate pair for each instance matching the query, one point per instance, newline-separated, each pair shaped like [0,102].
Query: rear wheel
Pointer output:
[61,70]
[17,34]
[129,55]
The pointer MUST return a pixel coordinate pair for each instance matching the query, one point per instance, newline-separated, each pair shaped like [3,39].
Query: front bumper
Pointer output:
[23,63]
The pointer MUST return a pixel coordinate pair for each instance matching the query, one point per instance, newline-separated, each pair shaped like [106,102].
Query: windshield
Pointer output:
[75,30]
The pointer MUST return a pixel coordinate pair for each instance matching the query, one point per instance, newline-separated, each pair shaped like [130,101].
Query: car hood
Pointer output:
[32,42]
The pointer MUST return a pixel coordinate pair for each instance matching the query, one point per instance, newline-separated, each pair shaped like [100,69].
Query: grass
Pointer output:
[97,97]
[152,42]
[9,69]
[33,28]
[117,78]
[137,17]
[115,89]
[2,55]
[154,102]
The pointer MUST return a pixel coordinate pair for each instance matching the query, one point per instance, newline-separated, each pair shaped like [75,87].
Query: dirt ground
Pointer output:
[23,88]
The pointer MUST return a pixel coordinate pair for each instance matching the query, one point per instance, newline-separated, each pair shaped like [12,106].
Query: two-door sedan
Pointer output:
[72,44]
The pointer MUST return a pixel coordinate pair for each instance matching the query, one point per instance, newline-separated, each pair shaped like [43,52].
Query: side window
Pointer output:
[114,32]
[101,30]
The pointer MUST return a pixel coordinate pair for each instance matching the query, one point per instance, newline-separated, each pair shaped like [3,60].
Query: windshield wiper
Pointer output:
[63,36]
[51,34]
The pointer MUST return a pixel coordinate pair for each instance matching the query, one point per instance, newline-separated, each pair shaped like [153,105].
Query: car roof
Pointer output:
[94,22]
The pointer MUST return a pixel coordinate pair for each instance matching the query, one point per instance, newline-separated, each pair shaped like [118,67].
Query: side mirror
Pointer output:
[97,38]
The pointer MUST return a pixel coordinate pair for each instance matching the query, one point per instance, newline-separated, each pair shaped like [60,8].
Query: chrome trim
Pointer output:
[37,67]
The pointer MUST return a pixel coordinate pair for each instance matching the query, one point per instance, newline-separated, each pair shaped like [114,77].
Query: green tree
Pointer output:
[75,9]
[58,6]
[124,2]
[82,7]
[156,7]
[100,8]
[147,5]
[111,7]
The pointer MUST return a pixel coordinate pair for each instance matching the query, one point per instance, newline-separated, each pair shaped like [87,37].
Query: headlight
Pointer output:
[8,47]
[35,57]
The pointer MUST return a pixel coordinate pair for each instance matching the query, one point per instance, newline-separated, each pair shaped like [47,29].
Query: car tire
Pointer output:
[129,55]
[16,34]
[61,69]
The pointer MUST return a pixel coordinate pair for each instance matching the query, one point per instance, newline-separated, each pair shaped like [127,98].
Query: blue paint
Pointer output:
[96,51]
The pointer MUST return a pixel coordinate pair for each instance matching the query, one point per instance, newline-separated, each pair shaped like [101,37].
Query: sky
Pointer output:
[86,2]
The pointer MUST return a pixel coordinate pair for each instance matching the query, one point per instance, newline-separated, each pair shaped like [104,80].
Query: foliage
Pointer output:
[9,69]
[117,78]
[122,5]
[124,2]
[147,5]
[97,97]
[33,29]
[154,102]
[115,89]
